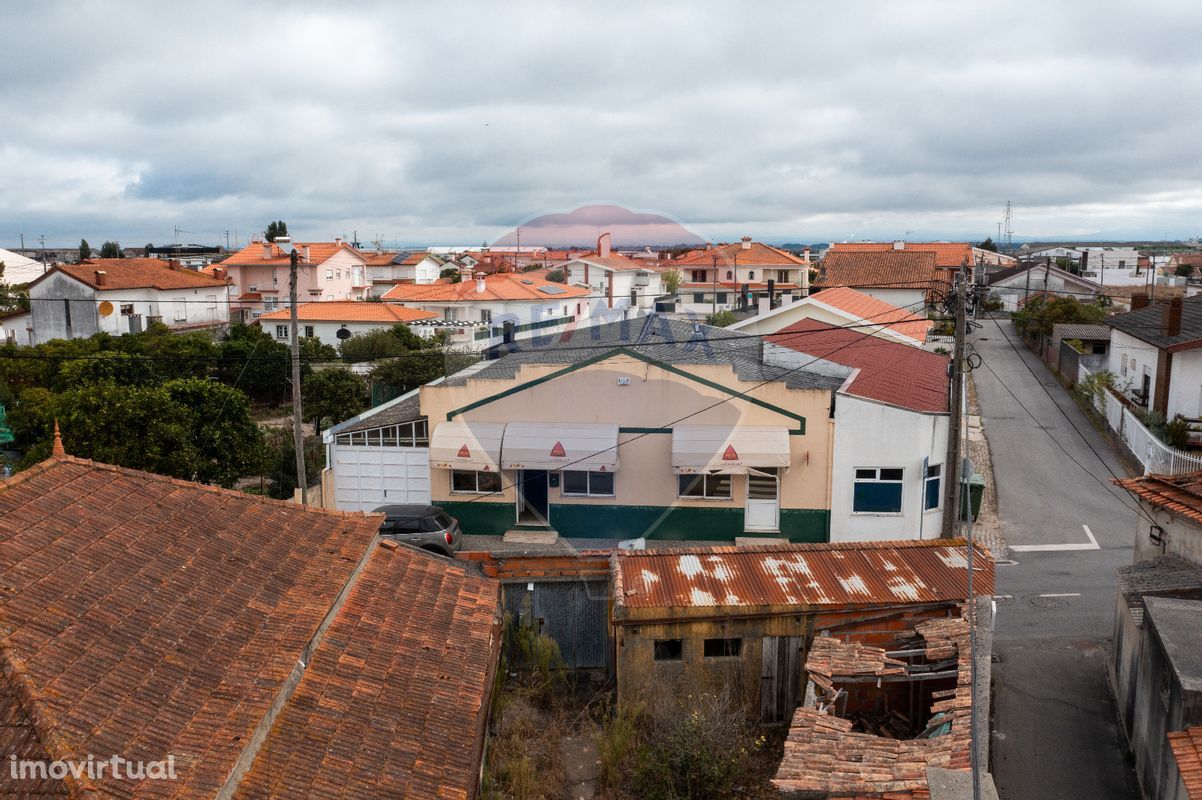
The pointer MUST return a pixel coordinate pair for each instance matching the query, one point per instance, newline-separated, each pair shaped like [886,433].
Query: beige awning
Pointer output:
[560,445]
[730,450]
[467,445]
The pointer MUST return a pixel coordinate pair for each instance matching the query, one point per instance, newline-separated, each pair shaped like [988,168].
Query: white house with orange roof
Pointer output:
[259,274]
[331,321]
[847,308]
[504,306]
[618,286]
[729,276]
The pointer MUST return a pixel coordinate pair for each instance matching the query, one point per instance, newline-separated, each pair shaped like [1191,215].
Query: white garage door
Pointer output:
[366,478]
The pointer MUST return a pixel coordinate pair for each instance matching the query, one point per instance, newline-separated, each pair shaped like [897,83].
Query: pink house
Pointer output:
[327,271]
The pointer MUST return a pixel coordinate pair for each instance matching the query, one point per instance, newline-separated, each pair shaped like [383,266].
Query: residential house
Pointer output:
[1191,261]
[387,270]
[847,308]
[1113,266]
[1156,356]
[190,256]
[503,307]
[618,286]
[1016,284]
[260,274]
[745,620]
[1076,346]
[16,327]
[1171,521]
[19,269]
[652,427]
[124,295]
[908,279]
[891,421]
[729,276]
[261,648]
[950,257]
[332,321]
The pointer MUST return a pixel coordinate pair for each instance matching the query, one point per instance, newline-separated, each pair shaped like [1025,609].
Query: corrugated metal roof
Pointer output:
[860,573]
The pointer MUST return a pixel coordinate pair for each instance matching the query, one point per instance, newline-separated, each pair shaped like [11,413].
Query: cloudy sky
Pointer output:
[454,122]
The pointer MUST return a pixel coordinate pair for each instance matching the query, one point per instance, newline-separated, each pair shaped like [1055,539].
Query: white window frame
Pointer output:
[329,274]
[926,486]
[476,474]
[281,331]
[900,482]
[705,494]
[588,492]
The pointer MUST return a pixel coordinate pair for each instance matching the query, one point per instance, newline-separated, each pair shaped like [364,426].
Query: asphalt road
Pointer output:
[1055,727]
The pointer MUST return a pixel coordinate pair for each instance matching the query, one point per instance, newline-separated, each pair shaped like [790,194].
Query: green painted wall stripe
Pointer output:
[801,421]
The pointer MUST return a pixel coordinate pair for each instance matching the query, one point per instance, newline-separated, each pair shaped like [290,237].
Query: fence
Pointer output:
[1154,456]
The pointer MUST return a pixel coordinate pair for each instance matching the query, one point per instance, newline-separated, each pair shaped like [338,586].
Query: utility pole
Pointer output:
[298,435]
[227,240]
[951,464]
[714,298]
[42,238]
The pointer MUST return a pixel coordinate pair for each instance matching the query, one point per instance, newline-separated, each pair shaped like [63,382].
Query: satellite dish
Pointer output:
[106,308]
[343,333]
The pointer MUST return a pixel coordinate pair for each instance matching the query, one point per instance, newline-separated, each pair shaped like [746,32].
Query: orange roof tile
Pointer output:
[892,269]
[498,286]
[948,255]
[378,259]
[137,273]
[351,311]
[253,253]
[1180,494]
[144,616]
[891,372]
[1187,750]
[866,307]
[757,254]
[620,263]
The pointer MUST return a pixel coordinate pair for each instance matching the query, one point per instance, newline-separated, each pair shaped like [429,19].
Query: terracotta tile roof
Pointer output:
[137,273]
[498,286]
[142,615]
[351,311]
[392,698]
[1180,494]
[822,753]
[891,372]
[950,255]
[735,285]
[253,253]
[758,255]
[856,573]
[890,269]
[378,259]
[867,307]
[620,263]
[1187,750]
[1145,324]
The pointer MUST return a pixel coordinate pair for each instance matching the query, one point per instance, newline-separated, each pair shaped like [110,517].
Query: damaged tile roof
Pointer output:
[1187,750]
[823,754]
[138,273]
[949,255]
[143,616]
[891,372]
[1180,494]
[852,573]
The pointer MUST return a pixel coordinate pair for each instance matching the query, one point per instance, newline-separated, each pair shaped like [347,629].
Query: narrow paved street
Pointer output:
[1056,734]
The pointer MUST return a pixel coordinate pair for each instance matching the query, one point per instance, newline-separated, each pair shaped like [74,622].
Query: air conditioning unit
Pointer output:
[642,278]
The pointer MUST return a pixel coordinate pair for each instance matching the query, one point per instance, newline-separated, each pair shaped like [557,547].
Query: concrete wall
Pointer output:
[871,434]
[645,498]
[48,302]
[1181,535]
[1130,359]
[1185,385]
[911,300]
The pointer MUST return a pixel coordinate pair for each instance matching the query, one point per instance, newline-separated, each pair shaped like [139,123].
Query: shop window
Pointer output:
[475,482]
[576,482]
[708,487]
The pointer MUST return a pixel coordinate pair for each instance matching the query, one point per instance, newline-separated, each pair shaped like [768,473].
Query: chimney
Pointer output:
[101,277]
[1139,300]
[603,242]
[805,253]
[305,252]
[746,242]
[899,244]
[219,273]
[480,283]
[1170,320]
[805,280]
[337,240]
[267,249]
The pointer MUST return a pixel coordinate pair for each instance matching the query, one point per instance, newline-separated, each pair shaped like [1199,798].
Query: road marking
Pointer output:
[1062,594]
[1051,548]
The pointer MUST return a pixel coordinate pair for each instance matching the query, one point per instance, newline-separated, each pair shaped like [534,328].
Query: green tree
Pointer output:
[556,276]
[381,343]
[1040,313]
[313,349]
[333,395]
[12,298]
[146,250]
[225,442]
[671,280]
[252,361]
[721,319]
[988,245]
[110,366]
[280,466]
[85,250]
[274,229]
[1183,271]
[173,355]
[451,273]
[111,250]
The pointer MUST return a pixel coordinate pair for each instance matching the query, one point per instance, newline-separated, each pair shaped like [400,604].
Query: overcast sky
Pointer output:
[454,122]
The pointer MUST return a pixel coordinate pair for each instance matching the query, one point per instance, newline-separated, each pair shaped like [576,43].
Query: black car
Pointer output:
[427,527]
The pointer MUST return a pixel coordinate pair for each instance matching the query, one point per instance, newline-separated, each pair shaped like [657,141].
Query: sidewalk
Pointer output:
[986,529]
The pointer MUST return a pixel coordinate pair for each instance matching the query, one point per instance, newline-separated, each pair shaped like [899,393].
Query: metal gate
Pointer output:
[573,613]
[780,677]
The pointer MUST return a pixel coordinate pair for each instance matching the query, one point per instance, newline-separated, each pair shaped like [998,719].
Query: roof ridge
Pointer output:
[886,544]
[43,721]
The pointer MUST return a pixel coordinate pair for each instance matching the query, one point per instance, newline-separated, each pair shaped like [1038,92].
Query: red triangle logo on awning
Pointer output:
[464,452]
[602,468]
[731,454]
[558,452]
